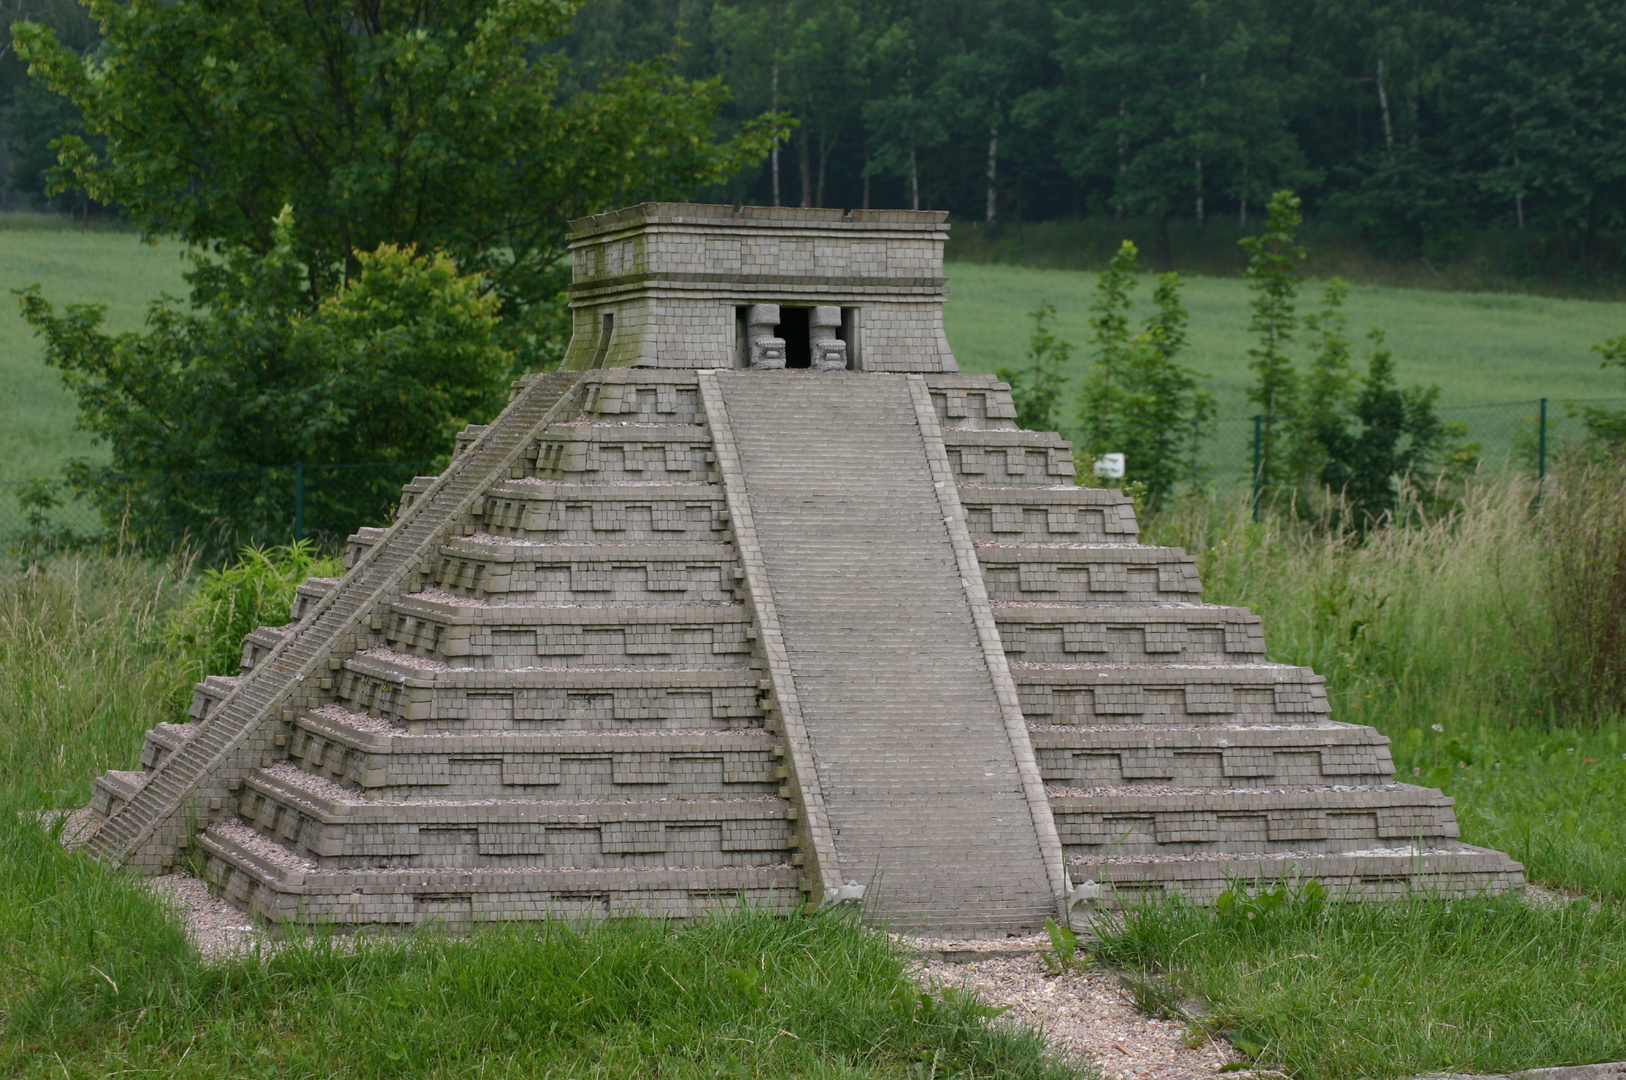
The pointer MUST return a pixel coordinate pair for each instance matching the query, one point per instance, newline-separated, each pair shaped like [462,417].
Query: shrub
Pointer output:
[204,409]
[257,590]
[1138,400]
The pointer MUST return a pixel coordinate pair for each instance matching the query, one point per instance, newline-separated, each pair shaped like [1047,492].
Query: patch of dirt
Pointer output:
[217,929]
[1084,1013]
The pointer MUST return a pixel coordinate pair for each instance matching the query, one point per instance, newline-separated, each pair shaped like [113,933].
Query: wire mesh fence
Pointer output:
[328,501]
[1507,435]
[271,505]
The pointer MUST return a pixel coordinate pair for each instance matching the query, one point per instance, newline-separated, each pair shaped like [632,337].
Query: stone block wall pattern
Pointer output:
[670,634]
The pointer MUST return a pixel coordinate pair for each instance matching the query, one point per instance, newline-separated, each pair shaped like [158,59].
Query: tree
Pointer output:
[1606,426]
[1391,433]
[1138,400]
[437,124]
[1274,258]
[1542,119]
[1171,99]
[201,410]
[900,124]
[1037,391]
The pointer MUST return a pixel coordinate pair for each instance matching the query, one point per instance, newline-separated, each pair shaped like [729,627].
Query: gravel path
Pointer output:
[1084,1014]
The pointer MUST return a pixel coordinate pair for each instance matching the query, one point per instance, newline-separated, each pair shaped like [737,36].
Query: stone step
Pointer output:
[978,402]
[257,645]
[261,877]
[1040,515]
[310,591]
[1183,633]
[317,819]
[645,397]
[548,511]
[1165,693]
[552,573]
[114,789]
[1217,757]
[208,694]
[364,539]
[1447,869]
[162,741]
[425,698]
[1010,458]
[1089,574]
[377,760]
[464,633]
[613,452]
[1144,820]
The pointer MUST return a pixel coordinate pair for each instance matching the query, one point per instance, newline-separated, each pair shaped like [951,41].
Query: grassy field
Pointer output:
[1479,347]
[74,267]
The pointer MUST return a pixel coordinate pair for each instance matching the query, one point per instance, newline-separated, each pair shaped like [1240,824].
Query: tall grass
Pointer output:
[84,669]
[1455,634]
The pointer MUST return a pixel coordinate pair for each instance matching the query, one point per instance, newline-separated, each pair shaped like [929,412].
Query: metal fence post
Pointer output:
[1541,444]
[299,502]
[1258,461]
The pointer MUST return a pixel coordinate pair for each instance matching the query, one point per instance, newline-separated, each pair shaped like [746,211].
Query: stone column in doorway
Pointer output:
[829,351]
[766,351]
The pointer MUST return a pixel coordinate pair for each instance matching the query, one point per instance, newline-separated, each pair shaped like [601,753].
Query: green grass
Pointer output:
[105,983]
[1478,347]
[99,266]
[1340,991]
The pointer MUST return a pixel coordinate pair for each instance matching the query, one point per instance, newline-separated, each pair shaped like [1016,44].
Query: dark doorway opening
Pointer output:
[793,328]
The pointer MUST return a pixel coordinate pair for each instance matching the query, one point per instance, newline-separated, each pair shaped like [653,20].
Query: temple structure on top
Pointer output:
[686,285]
[759,598]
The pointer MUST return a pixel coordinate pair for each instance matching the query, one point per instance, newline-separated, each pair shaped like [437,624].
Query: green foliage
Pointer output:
[1037,391]
[440,125]
[1062,956]
[1583,513]
[1273,261]
[1137,400]
[1607,426]
[38,119]
[1395,433]
[387,370]
[1355,441]
[232,602]
[84,670]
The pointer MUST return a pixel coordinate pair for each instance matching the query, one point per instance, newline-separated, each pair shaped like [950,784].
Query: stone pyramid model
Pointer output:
[759,599]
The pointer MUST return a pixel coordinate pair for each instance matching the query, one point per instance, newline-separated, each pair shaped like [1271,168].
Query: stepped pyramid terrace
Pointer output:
[759,598]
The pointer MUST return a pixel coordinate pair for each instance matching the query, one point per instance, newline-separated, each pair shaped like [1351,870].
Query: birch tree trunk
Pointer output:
[1383,103]
[993,172]
[805,160]
[1200,218]
[773,106]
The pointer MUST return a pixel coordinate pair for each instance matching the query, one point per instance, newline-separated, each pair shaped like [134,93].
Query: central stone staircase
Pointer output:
[921,783]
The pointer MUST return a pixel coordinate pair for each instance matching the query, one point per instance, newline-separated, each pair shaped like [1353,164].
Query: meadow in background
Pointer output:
[1478,347]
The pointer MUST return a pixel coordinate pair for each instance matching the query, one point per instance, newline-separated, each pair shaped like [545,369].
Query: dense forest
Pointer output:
[1416,124]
